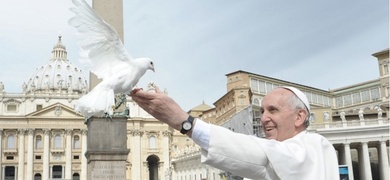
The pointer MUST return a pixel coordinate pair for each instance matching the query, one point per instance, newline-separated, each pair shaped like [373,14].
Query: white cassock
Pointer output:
[306,156]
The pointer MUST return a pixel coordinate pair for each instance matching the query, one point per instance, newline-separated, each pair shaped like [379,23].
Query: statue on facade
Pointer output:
[326,116]
[24,87]
[342,116]
[361,116]
[1,87]
[380,112]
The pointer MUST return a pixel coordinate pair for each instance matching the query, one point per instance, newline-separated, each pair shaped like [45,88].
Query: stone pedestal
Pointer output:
[107,148]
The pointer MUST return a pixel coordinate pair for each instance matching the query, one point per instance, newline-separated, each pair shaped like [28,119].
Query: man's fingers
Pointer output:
[135,91]
[158,90]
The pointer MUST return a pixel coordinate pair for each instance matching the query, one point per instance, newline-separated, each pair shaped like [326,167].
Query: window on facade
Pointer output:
[308,95]
[256,102]
[375,93]
[76,142]
[38,142]
[254,85]
[152,142]
[57,141]
[269,87]
[11,108]
[339,101]
[314,98]
[356,98]
[39,107]
[76,176]
[385,69]
[11,142]
[57,172]
[365,95]
[347,99]
[262,86]
[37,176]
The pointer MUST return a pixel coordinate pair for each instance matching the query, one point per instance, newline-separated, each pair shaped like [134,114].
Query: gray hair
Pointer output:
[296,103]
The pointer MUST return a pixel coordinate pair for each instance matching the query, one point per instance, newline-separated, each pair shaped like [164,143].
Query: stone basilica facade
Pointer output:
[42,137]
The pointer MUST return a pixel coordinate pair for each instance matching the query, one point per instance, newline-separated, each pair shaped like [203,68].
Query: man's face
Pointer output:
[278,118]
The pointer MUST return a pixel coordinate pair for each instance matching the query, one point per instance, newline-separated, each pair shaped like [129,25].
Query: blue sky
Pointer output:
[195,43]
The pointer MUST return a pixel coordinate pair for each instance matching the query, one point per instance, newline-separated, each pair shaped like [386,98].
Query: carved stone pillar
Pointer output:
[364,162]
[30,153]
[136,154]
[383,160]
[84,162]
[166,142]
[21,154]
[1,154]
[68,155]
[46,153]
[348,160]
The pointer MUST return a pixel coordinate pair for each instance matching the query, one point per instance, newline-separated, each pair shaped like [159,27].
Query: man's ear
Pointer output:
[301,117]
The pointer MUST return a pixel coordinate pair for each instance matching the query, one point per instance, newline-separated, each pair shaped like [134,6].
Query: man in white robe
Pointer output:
[289,152]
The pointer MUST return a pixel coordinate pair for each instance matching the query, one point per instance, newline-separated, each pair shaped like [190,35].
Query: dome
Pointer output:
[57,76]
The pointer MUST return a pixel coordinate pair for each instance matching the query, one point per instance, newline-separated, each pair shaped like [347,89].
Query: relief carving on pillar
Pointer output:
[21,132]
[46,131]
[167,133]
[30,131]
[84,132]
[68,131]
[136,132]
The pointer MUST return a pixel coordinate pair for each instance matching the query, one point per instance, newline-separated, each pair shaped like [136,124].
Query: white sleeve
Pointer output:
[201,134]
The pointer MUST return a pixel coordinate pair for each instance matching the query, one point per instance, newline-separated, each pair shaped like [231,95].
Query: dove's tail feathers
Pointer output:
[98,103]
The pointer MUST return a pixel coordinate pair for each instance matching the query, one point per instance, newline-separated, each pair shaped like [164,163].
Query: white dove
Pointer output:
[108,59]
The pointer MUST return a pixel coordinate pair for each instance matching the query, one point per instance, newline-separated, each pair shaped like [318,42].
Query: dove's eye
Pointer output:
[151,63]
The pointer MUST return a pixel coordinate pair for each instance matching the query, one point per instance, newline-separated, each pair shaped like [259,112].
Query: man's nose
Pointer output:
[264,117]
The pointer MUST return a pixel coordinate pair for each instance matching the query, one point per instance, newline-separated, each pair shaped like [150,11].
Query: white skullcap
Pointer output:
[300,95]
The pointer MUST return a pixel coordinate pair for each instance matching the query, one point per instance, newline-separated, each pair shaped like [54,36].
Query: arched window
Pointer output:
[11,142]
[76,176]
[37,176]
[152,142]
[256,102]
[76,142]
[38,142]
[57,141]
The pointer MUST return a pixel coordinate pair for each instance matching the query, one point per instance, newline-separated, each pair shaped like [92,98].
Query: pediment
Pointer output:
[56,110]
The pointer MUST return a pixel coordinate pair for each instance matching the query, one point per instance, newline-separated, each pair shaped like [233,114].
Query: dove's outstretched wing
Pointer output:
[99,41]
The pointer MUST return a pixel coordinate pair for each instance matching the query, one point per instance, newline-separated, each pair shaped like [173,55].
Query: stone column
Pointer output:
[21,154]
[348,160]
[68,155]
[46,151]
[107,148]
[364,162]
[83,151]
[111,12]
[383,160]
[166,143]
[1,154]
[136,154]
[30,153]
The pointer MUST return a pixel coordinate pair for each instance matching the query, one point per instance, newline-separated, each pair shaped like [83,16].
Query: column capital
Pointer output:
[167,133]
[21,131]
[46,131]
[68,131]
[84,131]
[136,132]
[30,131]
